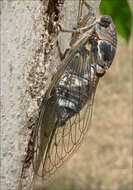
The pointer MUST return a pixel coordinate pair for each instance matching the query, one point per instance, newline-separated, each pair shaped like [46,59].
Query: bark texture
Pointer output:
[29,59]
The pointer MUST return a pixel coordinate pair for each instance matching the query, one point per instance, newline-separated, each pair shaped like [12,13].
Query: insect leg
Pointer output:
[80,10]
[86,4]
[65,30]
[62,55]
[81,2]
[88,17]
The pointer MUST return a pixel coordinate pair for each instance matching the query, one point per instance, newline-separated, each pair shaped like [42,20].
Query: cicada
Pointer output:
[66,109]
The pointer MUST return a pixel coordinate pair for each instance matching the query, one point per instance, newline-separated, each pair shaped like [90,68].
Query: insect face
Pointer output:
[106,29]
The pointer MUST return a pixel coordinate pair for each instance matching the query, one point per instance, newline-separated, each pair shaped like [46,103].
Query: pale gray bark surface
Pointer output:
[25,76]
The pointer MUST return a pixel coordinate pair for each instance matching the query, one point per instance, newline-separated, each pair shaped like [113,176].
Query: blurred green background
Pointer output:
[104,161]
[120,12]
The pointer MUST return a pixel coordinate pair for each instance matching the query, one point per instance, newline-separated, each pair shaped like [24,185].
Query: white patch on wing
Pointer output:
[76,82]
[99,69]
[99,52]
[65,103]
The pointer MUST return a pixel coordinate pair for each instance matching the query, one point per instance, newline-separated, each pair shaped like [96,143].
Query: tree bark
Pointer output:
[28,61]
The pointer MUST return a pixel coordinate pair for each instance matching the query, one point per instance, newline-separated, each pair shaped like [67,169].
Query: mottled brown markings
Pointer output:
[53,12]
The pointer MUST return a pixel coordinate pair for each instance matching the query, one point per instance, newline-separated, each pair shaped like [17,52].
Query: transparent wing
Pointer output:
[56,138]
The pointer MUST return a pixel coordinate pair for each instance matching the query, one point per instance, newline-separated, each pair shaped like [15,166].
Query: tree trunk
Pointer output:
[28,61]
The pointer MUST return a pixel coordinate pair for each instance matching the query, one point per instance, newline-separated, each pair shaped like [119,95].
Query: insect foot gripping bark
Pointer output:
[66,109]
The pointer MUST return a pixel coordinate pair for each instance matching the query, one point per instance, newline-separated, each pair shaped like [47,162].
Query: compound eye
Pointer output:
[105,21]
